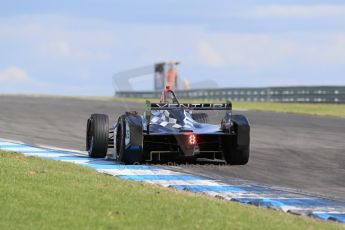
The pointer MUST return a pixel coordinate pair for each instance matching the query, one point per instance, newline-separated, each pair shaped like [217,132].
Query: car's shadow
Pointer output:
[200,161]
[176,161]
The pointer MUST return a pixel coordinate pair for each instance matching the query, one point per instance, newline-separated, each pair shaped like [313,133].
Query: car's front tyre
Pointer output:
[97,135]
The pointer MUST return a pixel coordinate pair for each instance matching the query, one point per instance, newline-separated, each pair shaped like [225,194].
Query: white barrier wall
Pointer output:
[303,94]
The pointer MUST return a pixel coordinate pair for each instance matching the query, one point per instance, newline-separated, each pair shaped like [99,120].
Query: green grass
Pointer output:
[336,110]
[45,194]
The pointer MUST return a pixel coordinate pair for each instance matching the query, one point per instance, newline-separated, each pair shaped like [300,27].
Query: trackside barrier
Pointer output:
[296,94]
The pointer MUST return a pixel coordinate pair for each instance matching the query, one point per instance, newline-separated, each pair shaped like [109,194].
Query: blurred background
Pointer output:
[75,47]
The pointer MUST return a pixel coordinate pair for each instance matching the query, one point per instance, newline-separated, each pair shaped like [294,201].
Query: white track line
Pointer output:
[23,149]
[167,183]
[133,172]
[45,155]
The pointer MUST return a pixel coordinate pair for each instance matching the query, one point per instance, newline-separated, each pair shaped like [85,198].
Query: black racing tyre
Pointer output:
[97,135]
[237,156]
[236,149]
[120,139]
[132,152]
[200,117]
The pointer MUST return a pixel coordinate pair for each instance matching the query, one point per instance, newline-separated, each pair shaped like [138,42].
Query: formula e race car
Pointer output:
[170,130]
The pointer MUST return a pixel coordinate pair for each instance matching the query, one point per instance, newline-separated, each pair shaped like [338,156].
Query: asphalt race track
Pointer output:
[297,151]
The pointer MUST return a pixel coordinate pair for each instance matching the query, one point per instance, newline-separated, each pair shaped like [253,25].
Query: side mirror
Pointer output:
[226,122]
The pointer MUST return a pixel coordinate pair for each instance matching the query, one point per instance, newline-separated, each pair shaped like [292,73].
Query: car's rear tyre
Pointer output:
[97,135]
[236,150]
[238,156]
[200,117]
[129,140]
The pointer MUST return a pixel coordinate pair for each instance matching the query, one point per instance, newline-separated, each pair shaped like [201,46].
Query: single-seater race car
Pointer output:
[170,130]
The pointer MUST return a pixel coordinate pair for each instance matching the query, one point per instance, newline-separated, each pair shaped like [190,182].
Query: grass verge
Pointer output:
[45,194]
[336,110]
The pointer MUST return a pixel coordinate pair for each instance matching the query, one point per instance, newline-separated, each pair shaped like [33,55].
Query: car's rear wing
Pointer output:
[189,106]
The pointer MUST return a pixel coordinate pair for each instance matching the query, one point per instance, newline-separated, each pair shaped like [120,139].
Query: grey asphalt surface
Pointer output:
[297,151]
